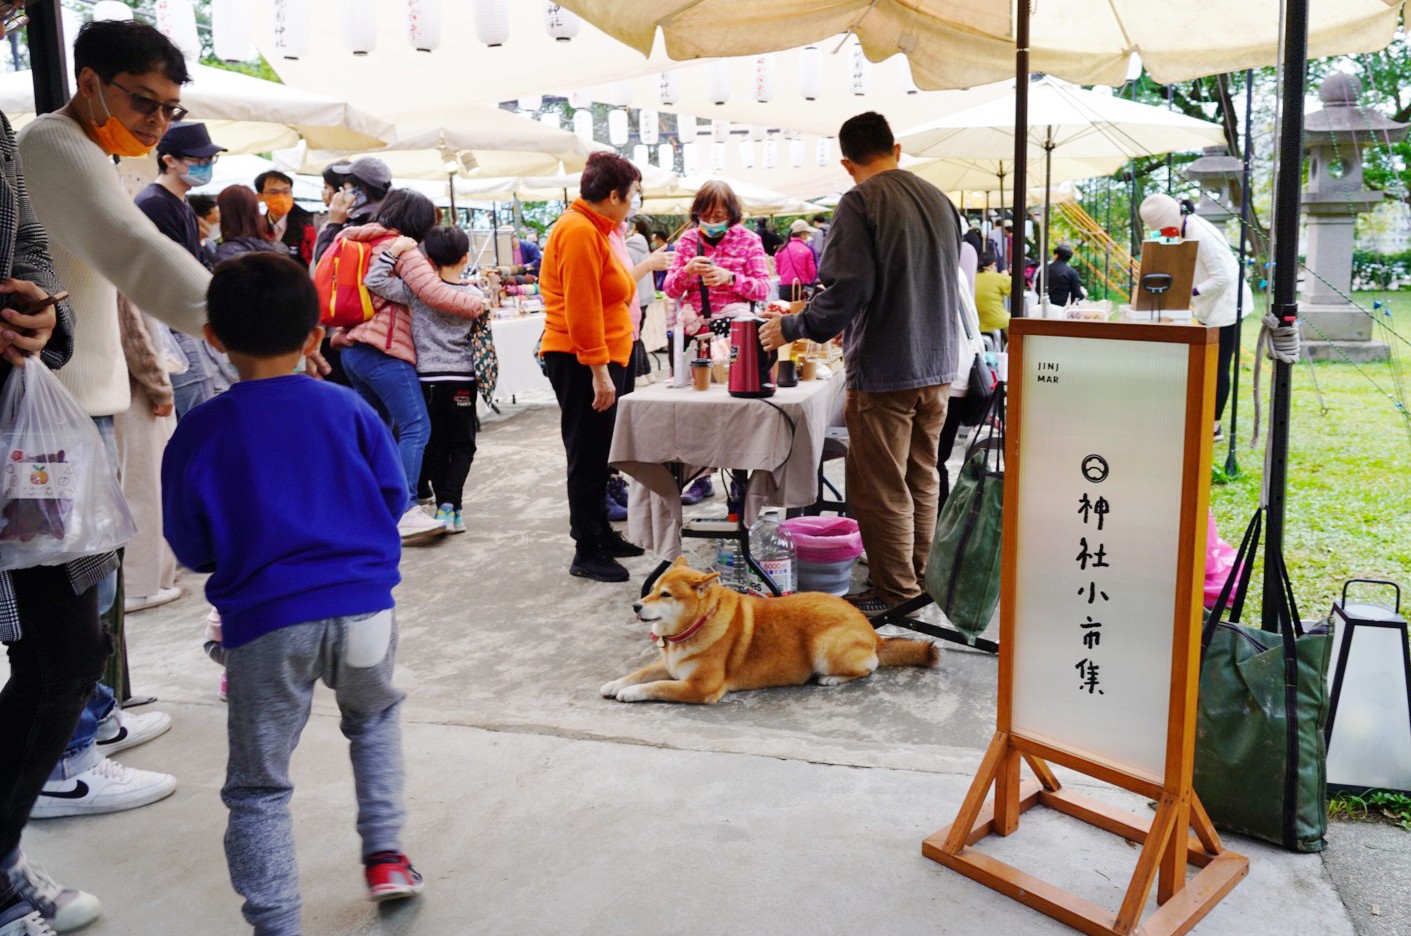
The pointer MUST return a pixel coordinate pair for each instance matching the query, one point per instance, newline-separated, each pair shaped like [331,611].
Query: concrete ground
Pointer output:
[538,807]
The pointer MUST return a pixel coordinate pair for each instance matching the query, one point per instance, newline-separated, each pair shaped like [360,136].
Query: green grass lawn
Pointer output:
[1348,509]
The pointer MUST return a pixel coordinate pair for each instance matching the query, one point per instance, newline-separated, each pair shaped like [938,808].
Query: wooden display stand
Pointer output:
[1167,844]
[1177,260]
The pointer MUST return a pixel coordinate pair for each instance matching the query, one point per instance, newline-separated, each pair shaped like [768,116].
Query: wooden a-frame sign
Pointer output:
[1168,846]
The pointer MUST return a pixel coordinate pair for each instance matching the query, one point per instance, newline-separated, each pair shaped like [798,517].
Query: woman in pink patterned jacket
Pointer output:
[720,265]
[719,268]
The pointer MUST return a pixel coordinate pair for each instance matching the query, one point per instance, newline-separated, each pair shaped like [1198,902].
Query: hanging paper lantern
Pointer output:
[825,152]
[583,125]
[796,153]
[492,22]
[617,127]
[756,133]
[640,155]
[771,153]
[105,10]
[811,73]
[690,158]
[291,28]
[747,154]
[176,19]
[667,89]
[648,127]
[360,25]
[685,127]
[230,29]
[551,119]
[620,94]
[720,130]
[764,79]
[530,102]
[562,24]
[717,157]
[908,83]
[861,71]
[718,82]
[424,24]
[577,100]
[666,158]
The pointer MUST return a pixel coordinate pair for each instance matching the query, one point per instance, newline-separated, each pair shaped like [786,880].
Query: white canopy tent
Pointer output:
[961,43]
[244,114]
[472,142]
[560,187]
[753,199]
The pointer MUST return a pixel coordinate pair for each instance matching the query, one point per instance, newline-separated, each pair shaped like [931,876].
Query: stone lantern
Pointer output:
[1217,172]
[1335,138]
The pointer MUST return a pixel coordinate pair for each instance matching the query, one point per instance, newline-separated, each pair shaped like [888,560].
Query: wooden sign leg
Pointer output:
[1174,859]
[1042,770]
[1007,793]
[975,798]
[1152,851]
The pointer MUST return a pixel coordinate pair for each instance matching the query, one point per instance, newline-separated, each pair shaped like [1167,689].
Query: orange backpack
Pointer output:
[343,299]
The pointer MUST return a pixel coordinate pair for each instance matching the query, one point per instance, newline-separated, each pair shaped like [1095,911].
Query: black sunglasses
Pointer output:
[147,106]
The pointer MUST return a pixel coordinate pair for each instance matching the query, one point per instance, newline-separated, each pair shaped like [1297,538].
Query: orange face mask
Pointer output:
[278,205]
[115,138]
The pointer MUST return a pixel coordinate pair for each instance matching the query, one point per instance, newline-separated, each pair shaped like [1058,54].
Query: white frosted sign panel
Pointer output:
[1101,449]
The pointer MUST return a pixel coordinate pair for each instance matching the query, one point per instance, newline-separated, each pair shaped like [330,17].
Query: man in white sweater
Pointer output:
[129,88]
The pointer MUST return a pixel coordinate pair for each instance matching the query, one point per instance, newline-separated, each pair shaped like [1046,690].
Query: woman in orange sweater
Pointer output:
[587,343]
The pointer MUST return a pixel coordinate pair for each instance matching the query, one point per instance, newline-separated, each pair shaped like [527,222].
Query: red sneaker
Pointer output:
[390,876]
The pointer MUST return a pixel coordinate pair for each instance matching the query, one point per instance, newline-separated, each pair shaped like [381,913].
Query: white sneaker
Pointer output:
[106,787]
[62,908]
[415,526]
[122,730]
[134,603]
[23,920]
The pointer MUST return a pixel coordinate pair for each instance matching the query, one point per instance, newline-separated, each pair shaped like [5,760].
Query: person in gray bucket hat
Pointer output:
[366,181]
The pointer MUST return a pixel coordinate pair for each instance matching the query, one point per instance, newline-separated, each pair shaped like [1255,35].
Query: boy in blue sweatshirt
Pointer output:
[288,490]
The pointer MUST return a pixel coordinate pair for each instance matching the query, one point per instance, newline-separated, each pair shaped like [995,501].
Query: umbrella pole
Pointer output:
[1107,243]
[1043,238]
[1232,467]
[451,184]
[1021,153]
[1286,218]
[48,59]
[495,229]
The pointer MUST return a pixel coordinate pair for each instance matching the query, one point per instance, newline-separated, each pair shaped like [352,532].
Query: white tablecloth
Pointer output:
[515,339]
[660,426]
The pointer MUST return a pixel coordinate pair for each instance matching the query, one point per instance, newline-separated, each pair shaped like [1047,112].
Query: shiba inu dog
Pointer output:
[714,640]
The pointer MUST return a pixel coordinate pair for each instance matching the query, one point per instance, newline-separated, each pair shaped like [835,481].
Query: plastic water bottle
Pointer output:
[773,548]
[730,563]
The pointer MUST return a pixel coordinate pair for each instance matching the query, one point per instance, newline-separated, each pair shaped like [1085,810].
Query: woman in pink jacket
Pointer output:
[719,265]
[379,356]
[795,261]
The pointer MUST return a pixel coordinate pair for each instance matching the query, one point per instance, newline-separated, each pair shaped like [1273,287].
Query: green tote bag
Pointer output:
[1260,759]
[962,572]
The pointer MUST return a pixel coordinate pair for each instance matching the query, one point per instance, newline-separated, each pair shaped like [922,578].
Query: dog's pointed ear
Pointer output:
[680,563]
[705,581]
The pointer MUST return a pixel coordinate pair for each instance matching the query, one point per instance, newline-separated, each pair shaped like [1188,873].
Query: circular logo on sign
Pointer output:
[1095,469]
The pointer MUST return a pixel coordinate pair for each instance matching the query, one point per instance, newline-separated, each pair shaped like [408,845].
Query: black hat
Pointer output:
[369,170]
[187,138]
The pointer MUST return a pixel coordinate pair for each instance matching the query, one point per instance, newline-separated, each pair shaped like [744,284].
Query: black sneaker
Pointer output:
[598,566]
[614,545]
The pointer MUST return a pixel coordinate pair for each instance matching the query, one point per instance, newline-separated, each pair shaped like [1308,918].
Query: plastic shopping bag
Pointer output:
[59,495]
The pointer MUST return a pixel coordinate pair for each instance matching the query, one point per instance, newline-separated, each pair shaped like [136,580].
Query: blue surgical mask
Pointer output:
[714,230]
[197,176]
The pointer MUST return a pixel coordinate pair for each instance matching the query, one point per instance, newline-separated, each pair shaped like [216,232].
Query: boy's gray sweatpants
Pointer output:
[270,687]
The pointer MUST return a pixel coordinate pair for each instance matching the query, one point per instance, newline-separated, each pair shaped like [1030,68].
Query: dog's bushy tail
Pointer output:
[901,651]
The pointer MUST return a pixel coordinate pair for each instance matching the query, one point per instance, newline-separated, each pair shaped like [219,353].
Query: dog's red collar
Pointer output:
[685,635]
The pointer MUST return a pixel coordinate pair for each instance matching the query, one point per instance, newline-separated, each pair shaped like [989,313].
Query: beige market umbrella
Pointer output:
[961,43]
[244,114]
[753,199]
